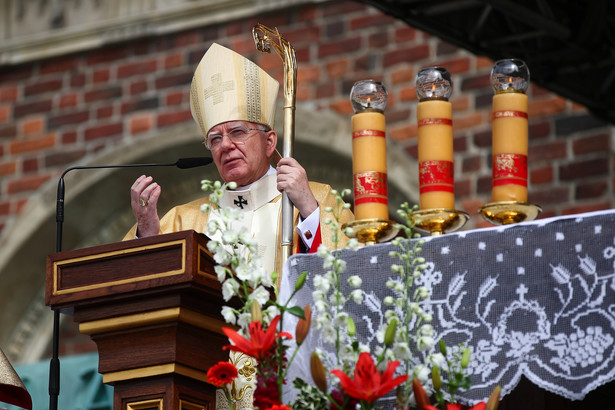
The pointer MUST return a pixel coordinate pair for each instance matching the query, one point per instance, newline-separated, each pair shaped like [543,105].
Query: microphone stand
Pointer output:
[54,365]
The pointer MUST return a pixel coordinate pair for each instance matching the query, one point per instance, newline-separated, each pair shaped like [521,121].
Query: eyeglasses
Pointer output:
[237,135]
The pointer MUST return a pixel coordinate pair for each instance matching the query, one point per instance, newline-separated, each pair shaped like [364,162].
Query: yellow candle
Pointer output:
[369,165]
[435,146]
[510,147]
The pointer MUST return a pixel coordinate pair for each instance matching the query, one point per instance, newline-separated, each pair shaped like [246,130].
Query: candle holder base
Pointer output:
[371,231]
[438,221]
[509,212]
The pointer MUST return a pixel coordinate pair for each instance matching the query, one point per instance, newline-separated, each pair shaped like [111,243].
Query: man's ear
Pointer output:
[271,141]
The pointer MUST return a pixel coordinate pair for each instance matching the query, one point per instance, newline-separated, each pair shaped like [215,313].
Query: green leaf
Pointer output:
[296,311]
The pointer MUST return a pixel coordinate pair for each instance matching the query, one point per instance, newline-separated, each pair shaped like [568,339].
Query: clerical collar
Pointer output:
[253,196]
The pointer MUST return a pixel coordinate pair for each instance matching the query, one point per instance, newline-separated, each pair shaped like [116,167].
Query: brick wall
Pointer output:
[59,111]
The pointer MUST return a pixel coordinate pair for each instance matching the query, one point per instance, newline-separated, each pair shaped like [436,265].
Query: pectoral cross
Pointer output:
[240,202]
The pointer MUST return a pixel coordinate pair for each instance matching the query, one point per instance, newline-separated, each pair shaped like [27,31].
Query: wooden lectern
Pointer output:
[152,306]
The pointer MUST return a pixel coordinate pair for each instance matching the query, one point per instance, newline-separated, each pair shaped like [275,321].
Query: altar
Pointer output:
[535,299]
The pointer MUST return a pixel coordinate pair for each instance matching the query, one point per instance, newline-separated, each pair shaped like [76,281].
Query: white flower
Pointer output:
[321,283]
[355,281]
[422,373]
[322,320]
[388,300]
[399,288]
[328,334]
[427,330]
[244,320]
[260,294]
[421,293]
[357,296]
[229,314]
[229,289]
[437,359]
[221,272]
[222,257]
[353,244]
[323,251]
[271,312]
[230,237]
[347,354]
[341,319]
[390,284]
[427,317]
[401,351]
[424,343]
[363,348]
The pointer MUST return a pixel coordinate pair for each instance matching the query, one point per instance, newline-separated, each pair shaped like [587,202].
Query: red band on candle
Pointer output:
[435,121]
[370,186]
[368,133]
[509,114]
[510,169]
[434,188]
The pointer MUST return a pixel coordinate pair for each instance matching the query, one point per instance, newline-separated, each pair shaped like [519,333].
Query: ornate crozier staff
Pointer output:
[264,39]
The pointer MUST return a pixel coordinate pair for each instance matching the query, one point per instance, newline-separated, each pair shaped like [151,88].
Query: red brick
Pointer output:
[591,207]
[28,183]
[461,104]
[476,82]
[59,65]
[138,87]
[325,91]
[67,119]
[107,55]
[471,164]
[5,208]
[408,55]
[369,21]
[104,112]
[463,187]
[582,169]
[8,168]
[408,94]
[404,34]
[467,121]
[338,68]
[103,131]
[483,63]
[546,106]
[341,7]
[549,196]
[171,118]
[78,80]
[29,165]
[304,92]
[177,79]
[443,48]
[141,123]
[342,106]
[539,129]
[8,93]
[21,110]
[456,65]
[101,76]
[139,68]
[32,126]
[404,132]
[594,143]
[107,93]
[32,144]
[187,38]
[542,175]
[69,137]
[5,113]
[174,60]
[68,100]
[591,189]
[309,34]
[42,87]
[64,158]
[402,75]
[176,97]
[308,73]
[339,47]
[8,131]
[547,151]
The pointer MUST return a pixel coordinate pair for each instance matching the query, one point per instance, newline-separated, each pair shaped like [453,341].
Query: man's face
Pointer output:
[242,161]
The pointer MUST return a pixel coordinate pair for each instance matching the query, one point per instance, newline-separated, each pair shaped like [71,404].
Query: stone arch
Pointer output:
[97,209]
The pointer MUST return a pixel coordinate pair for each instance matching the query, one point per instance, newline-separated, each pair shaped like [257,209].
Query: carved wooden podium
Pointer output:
[152,306]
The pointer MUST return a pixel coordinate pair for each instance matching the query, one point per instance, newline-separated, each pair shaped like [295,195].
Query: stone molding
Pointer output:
[39,29]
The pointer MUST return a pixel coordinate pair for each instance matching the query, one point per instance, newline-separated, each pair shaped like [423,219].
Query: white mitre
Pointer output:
[228,87]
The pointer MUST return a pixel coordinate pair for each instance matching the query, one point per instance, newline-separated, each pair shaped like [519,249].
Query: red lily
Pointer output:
[260,342]
[455,406]
[368,383]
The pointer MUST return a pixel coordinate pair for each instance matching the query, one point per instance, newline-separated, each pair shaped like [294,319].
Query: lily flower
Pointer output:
[260,342]
[368,384]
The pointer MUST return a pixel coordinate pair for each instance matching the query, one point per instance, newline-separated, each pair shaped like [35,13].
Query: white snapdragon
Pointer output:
[355,281]
[229,314]
[229,289]
[260,295]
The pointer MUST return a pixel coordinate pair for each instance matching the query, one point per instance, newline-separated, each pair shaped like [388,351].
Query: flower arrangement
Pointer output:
[358,375]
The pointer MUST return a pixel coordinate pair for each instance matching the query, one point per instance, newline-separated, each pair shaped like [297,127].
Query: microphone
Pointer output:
[54,366]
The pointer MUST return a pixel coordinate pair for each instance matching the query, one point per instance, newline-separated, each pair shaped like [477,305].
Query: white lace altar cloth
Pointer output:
[534,299]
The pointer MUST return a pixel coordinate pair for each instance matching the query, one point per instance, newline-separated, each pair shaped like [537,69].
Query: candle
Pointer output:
[369,163]
[435,139]
[509,79]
